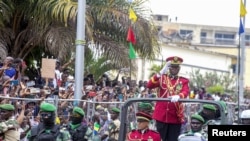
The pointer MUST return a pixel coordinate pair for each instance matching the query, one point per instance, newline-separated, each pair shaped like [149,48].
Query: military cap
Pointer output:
[116,110]
[145,105]
[198,117]
[224,105]
[209,107]
[143,116]
[175,60]
[8,107]
[78,110]
[47,107]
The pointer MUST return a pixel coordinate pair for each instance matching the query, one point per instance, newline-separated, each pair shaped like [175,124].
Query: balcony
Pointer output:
[217,41]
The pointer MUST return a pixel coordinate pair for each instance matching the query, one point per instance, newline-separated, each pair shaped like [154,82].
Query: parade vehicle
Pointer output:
[124,127]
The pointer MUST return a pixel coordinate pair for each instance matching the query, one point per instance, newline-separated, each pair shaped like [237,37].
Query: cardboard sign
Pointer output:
[48,68]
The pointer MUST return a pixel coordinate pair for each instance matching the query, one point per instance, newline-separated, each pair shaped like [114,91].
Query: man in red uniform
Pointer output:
[143,133]
[169,116]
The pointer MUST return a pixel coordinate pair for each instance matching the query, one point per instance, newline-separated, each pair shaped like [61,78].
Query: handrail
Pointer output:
[124,110]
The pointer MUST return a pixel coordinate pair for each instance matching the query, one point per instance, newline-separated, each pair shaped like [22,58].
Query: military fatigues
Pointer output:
[79,131]
[63,135]
[114,129]
[9,129]
[39,132]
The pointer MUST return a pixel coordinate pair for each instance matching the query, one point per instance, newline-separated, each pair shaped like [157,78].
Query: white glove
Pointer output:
[175,98]
[165,68]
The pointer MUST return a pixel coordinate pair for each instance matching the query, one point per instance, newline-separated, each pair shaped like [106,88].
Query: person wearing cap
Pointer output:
[208,113]
[77,129]
[145,107]
[8,124]
[196,125]
[224,106]
[169,115]
[47,129]
[114,126]
[143,132]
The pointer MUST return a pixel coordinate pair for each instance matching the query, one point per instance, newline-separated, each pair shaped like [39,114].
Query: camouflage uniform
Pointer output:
[9,128]
[7,134]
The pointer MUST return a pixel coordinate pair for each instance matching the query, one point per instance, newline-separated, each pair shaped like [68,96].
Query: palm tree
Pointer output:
[47,27]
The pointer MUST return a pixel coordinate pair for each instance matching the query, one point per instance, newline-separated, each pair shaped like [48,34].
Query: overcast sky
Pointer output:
[206,12]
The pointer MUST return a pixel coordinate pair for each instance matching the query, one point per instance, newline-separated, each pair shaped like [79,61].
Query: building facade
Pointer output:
[204,47]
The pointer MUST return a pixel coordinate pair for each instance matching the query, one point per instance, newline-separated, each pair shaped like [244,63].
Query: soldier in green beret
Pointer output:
[8,124]
[77,129]
[114,125]
[145,107]
[47,129]
[208,112]
[196,125]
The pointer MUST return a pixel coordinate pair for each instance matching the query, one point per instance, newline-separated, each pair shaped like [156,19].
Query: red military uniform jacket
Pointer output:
[146,135]
[169,112]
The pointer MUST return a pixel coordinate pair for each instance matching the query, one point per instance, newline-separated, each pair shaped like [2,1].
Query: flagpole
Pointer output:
[242,63]
[238,77]
[130,73]
[80,44]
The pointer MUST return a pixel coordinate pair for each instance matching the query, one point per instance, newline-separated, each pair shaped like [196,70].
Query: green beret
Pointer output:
[224,105]
[198,117]
[209,107]
[78,110]
[116,110]
[47,107]
[8,107]
[145,105]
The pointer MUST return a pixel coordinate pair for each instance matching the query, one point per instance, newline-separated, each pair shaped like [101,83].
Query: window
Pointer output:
[159,18]
[247,40]
[185,32]
[203,38]
[203,34]
[224,38]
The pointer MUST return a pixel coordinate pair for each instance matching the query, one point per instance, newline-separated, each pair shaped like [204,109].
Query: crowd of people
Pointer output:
[33,110]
